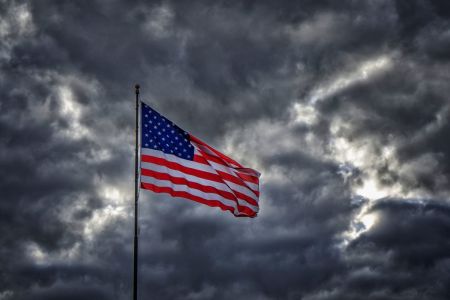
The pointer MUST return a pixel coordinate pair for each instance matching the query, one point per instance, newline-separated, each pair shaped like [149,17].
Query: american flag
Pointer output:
[177,163]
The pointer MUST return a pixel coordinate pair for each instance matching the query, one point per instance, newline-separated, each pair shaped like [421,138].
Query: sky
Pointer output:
[343,106]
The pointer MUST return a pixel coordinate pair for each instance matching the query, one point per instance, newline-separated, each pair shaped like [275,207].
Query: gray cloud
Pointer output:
[342,107]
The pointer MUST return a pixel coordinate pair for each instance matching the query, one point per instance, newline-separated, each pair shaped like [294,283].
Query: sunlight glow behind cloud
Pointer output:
[361,73]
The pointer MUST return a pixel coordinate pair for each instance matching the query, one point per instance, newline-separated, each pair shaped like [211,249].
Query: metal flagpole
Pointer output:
[136,197]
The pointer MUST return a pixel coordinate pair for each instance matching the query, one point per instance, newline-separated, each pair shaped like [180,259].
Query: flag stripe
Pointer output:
[196,193]
[218,161]
[201,164]
[178,171]
[200,184]
[176,163]
[213,151]
[230,175]
[176,159]
[244,211]
[175,173]
[183,194]
[206,159]
[191,184]
[200,170]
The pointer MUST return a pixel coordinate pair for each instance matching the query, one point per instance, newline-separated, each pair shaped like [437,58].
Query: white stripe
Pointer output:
[196,165]
[225,186]
[220,167]
[232,172]
[194,192]
[241,189]
[178,160]
[210,152]
[204,149]
[193,178]
[228,187]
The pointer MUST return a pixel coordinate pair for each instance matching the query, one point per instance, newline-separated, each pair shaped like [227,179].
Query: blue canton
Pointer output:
[161,134]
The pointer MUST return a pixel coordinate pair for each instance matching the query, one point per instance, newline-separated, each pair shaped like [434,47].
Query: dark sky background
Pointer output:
[343,106]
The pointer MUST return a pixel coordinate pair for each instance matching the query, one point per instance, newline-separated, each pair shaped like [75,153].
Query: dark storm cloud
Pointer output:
[409,239]
[296,89]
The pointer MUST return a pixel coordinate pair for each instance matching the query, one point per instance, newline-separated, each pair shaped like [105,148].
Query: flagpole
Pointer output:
[136,197]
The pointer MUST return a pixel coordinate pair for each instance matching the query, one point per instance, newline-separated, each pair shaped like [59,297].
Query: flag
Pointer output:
[177,163]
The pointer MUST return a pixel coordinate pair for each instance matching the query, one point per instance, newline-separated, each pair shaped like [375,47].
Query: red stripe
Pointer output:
[223,156]
[247,177]
[204,158]
[246,211]
[191,184]
[179,167]
[220,158]
[246,198]
[212,203]
[233,179]
[192,171]
[200,187]
[228,176]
